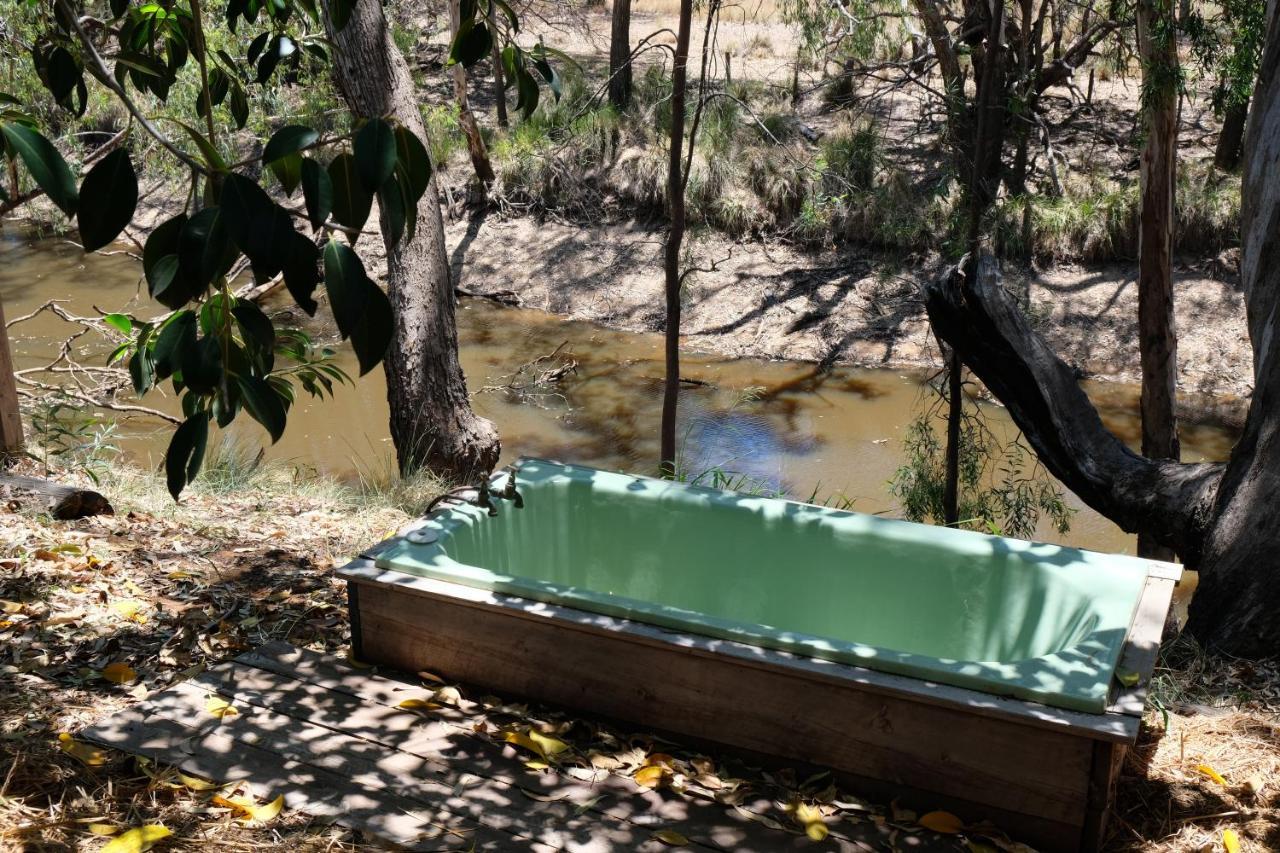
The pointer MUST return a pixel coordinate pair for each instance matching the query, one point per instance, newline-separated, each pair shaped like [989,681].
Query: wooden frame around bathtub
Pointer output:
[1044,775]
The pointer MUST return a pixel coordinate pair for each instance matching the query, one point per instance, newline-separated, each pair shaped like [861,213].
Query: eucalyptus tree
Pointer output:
[1218,517]
[221,354]
[1157,335]
[620,54]
[1227,39]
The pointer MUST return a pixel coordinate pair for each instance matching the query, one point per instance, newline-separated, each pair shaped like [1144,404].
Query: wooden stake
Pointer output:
[10,420]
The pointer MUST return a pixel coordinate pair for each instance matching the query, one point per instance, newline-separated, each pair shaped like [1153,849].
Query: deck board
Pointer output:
[331,739]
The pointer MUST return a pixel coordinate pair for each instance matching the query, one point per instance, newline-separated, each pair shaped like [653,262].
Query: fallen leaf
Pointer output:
[103,829]
[1127,678]
[45,554]
[549,747]
[431,676]
[1206,770]
[449,695]
[419,705]
[246,809]
[195,783]
[129,608]
[650,776]
[138,839]
[670,836]
[11,606]
[810,818]
[1230,841]
[944,822]
[119,673]
[89,755]
[220,707]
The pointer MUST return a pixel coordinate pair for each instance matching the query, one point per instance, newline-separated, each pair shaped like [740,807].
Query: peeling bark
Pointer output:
[432,423]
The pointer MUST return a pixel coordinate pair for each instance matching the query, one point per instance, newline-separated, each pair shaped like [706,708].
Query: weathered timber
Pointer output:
[1043,774]
[63,502]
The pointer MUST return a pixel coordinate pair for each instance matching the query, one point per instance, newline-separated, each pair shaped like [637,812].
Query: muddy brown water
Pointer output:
[836,435]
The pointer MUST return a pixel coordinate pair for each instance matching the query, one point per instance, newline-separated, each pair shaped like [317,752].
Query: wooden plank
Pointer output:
[1107,761]
[1138,657]
[10,419]
[1019,768]
[1117,727]
[452,749]
[212,754]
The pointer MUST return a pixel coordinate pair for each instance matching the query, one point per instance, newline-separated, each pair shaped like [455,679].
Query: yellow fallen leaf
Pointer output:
[138,839]
[549,747]
[1230,841]
[195,783]
[267,812]
[650,776]
[944,822]
[103,829]
[82,751]
[810,818]
[1128,679]
[220,707]
[419,705]
[119,673]
[11,606]
[449,695]
[131,609]
[670,836]
[1206,770]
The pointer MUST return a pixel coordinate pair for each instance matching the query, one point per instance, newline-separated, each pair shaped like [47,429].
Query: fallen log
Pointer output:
[63,502]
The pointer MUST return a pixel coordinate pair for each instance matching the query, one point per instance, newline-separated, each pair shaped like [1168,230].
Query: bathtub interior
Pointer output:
[1038,621]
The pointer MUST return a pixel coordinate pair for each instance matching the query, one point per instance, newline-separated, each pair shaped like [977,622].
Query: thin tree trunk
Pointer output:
[1226,154]
[1157,337]
[475,142]
[499,79]
[955,410]
[432,423]
[675,238]
[10,419]
[620,55]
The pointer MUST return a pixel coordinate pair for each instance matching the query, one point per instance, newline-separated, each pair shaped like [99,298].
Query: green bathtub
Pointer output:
[1004,616]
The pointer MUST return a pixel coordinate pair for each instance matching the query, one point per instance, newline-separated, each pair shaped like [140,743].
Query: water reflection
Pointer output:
[791,426]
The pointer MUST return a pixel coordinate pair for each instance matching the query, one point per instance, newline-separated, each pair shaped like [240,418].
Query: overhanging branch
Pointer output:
[992,335]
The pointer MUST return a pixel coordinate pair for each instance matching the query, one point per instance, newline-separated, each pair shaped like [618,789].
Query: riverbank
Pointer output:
[848,306]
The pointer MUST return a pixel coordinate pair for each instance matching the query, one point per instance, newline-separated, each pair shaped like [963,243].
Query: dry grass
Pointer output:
[1224,716]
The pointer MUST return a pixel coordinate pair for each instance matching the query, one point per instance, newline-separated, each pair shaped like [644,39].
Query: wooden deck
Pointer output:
[331,739]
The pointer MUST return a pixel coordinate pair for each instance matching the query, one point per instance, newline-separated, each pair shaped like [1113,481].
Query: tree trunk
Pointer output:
[1226,155]
[1219,517]
[955,411]
[475,142]
[1157,337]
[499,80]
[432,424]
[1237,605]
[675,237]
[10,420]
[620,55]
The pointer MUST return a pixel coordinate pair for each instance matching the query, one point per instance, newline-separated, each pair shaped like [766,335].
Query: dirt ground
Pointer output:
[842,306]
[98,613]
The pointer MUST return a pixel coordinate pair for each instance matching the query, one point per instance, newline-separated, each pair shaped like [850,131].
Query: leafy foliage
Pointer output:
[219,352]
[998,493]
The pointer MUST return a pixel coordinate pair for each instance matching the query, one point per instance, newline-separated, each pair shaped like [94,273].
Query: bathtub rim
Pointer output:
[1119,723]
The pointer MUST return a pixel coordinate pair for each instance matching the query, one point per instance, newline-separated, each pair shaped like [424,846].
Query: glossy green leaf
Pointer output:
[344,278]
[263,404]
[302,272]
[108,198]
[413,159]
[288,140]
[120,322]
[45,164]
[177,336]
[186,452]
[471,44]
[351,201]
[317,191]
[375,153]
[288,171]
[205,251]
